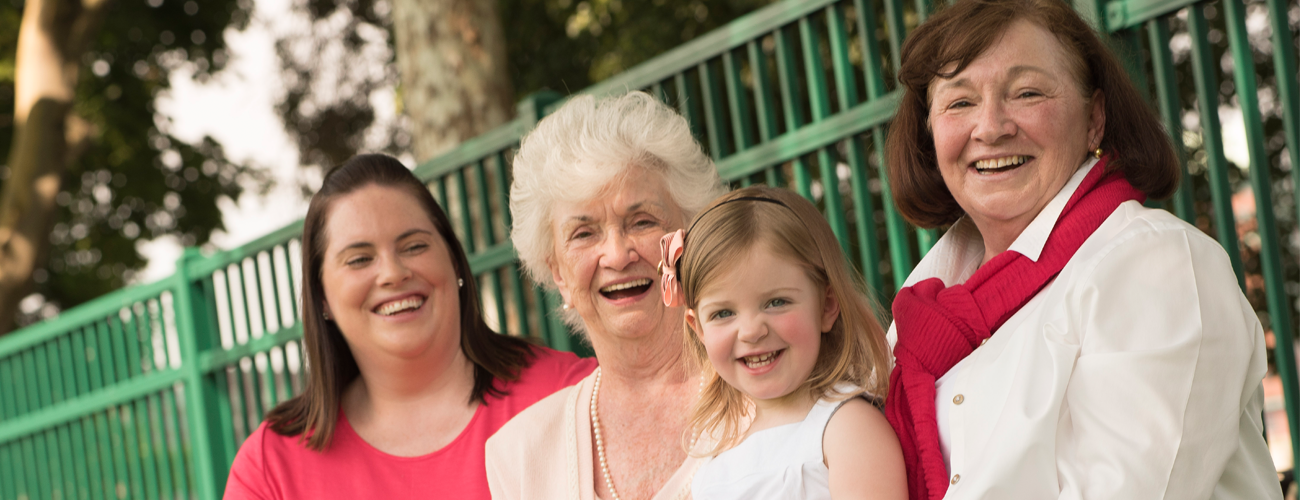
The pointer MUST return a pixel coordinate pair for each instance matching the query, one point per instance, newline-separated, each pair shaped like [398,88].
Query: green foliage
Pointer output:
[133,180]
[590,40]
[329,130]
[561,45]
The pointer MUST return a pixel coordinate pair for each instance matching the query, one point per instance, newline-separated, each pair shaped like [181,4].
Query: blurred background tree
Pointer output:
[91,168]
[561,45]
[116,174]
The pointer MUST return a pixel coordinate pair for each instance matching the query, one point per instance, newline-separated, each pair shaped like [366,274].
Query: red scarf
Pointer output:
[937,326]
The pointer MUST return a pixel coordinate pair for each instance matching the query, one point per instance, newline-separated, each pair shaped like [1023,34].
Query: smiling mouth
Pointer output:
[629,289]
[995,165]
[400,306]
[762,360]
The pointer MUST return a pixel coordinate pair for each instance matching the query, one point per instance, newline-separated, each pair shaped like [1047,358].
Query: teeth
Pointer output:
[997,163]
[625,286]
[392,308]
[760,360]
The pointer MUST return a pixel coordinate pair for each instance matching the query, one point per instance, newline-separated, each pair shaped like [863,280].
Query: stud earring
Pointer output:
[1096,153]
[566,306]
[327,315]
[460,282]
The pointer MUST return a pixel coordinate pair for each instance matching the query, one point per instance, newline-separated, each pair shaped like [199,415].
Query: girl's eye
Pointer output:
[721,314]
[777,302]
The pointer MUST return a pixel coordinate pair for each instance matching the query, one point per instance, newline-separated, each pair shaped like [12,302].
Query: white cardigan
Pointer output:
[1134,375]
[545,453]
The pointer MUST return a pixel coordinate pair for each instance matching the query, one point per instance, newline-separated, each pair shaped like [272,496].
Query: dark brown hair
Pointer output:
[853,351]
[1134,137]
[331,367]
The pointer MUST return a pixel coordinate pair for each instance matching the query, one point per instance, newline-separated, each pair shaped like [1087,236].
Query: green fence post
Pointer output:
[196,331]
[1279,308]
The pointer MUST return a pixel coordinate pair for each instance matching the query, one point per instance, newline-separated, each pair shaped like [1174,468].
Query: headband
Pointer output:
[671,248]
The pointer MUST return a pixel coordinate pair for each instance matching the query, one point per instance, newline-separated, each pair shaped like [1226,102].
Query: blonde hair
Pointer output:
[854,351]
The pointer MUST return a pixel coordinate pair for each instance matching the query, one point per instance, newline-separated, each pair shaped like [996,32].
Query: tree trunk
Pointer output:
[51,40]
[452,56]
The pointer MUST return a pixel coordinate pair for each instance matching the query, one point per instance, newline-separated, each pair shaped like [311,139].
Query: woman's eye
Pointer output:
[1030,93]
[959,104]
[356,261]
[644,223]
[577,235]
[417,247]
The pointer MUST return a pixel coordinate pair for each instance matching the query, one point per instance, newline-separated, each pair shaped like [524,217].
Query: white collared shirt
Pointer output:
[1135,374]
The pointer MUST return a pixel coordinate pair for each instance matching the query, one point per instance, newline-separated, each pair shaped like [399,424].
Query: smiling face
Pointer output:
[606,253]
[389,282]
[762,330]
[1011,129]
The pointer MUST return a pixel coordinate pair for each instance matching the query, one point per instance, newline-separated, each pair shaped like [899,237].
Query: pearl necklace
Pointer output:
[600,443]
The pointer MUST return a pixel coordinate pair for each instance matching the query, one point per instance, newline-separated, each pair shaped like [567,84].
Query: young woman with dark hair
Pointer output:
[405,380]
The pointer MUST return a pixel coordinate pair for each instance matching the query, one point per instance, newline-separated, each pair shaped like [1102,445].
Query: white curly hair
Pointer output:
[576,151]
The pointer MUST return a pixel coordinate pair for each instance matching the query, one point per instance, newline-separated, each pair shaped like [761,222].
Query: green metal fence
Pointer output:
[148,392]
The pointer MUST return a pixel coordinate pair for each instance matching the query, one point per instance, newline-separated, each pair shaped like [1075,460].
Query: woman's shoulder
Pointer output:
[251,473]
[540,426]
[534,454]
[1140,241]
[564,367]
[1151,272]
[1133,220]
[548,371]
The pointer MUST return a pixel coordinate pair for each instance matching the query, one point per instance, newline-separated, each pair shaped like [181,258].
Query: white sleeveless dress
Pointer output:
[783,462]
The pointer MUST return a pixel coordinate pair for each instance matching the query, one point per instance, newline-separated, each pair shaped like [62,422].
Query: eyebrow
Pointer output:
[766,293]
[366,244]
[1015,71]
[578,219]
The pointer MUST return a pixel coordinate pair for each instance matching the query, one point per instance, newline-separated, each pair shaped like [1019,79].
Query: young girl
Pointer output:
[788,341]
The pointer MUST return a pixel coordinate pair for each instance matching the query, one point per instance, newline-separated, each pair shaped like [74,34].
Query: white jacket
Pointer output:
[1134,375]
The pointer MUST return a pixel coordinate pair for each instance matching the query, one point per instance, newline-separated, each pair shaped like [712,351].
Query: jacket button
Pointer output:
[955,478]
[985,341]
[958,399]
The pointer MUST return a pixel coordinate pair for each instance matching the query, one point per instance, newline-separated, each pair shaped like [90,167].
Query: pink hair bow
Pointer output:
[670,251]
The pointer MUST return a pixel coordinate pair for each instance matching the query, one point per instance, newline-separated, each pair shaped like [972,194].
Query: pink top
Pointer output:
[271,466]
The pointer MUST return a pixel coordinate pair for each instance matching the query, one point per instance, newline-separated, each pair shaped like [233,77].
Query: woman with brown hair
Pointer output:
[1061,340]
[405,380]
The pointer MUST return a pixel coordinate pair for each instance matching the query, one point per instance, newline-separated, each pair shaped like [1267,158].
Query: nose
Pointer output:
[993,123]
[752,329]
[619,251]
[393,271]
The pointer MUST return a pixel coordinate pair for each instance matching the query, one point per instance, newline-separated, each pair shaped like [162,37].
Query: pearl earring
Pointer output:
[566,306]
[460,282]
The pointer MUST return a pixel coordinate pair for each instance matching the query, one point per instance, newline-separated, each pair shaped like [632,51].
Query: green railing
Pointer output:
[148,392]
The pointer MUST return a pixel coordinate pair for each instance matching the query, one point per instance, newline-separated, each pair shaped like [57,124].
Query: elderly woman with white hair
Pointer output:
[596,185]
